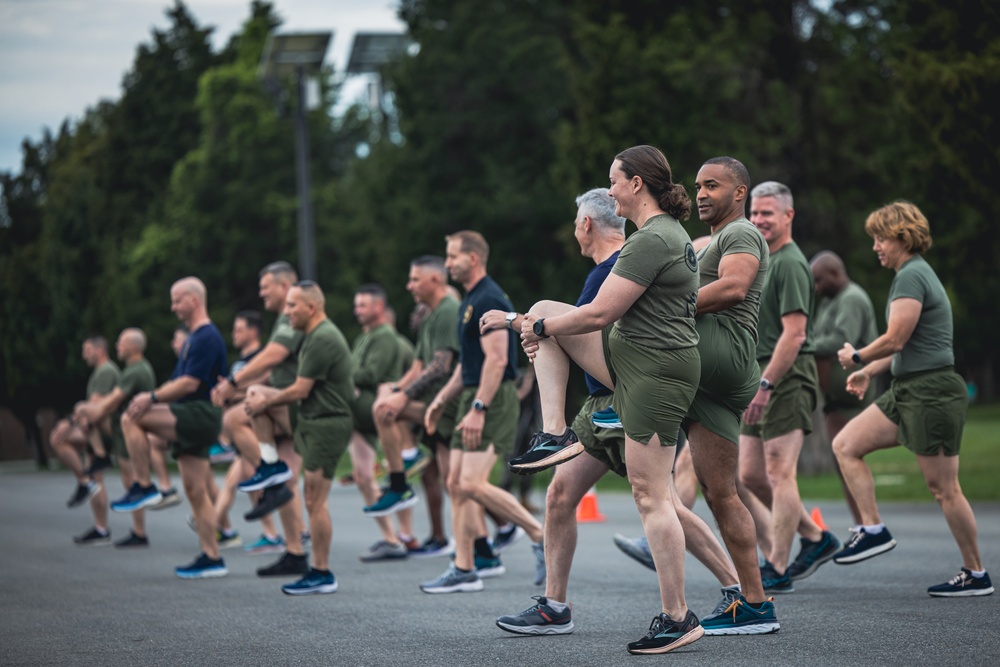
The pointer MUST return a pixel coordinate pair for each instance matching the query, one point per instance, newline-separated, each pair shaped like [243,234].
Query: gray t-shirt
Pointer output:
[661,258]
[737,237]
[931,343]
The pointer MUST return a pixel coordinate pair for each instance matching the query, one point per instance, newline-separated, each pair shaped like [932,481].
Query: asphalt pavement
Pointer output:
[65,605]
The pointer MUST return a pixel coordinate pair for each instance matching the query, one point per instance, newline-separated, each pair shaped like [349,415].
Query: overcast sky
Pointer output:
[58,57]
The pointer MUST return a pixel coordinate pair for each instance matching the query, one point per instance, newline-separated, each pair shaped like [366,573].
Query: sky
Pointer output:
[59,57]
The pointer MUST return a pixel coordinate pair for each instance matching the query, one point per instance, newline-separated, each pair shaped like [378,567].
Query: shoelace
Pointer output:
[858,536]
[729,598]
[959,579]
[655,628]
[734,607]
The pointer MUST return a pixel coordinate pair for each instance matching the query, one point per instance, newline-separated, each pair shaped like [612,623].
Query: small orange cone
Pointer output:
[817,518]
[587,511]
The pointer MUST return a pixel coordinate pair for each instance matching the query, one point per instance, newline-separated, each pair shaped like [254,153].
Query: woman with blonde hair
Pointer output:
[924,410]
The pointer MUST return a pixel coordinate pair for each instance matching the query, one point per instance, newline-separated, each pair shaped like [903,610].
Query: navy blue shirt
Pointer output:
[204,357]
[486,295]
[590,289]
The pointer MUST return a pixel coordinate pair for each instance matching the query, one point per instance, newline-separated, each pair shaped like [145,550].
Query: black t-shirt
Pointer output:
[486,295]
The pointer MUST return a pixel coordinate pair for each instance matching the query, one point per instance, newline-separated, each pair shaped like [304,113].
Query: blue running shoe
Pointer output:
[137,498]
[315,582]
[963,585]
[432,548]
[774,582]
[864,545]
[267,474]
[812,555]
[546,450]
[606,418]
[203,567]
[265,545]
[391,502]
[739,618]
[636,548]
[487,568]
[220,453]
[540,619]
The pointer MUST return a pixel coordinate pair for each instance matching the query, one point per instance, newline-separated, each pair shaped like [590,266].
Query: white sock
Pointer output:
[978,574]
[268,453]
[410,453]
[557,606]
[874,530]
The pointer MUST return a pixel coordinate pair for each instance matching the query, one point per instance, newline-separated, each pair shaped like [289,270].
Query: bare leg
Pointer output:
[431,479]
[195,473]
[499,503]
[781,456]
[363,458]
[866,433]
[317,489]
[99,504]
[158,460]
[835,422]
[941,475]
[755,490]
[685,479]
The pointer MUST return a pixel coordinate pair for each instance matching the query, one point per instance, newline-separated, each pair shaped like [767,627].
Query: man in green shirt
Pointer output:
[844,314]
[324,390]
[780,414]
[137,376]
[378,360]
[69,439]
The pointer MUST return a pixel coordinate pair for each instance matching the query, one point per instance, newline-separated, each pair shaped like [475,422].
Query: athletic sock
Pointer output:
[397,481]
[556,605]
[483,548]
[410,453]
[268,453]
[978,574]
[875,529]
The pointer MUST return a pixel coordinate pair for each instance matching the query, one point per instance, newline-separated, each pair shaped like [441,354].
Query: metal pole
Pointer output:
[307,247]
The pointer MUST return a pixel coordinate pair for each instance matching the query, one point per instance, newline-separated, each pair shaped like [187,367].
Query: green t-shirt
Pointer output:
[931,343]
[737,237]
[848,317]
[406,351]
[789,287]
[137,377]
[439,331]
[378,358]
[660,257]
[283,375]
[103,379]
[325,358]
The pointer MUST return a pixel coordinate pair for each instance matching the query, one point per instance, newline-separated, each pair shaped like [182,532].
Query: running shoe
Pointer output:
[488,568]
[93,538]
[812,555]
[665,634]
[132,541]
[539,619]
[454,581]
[83,493]
[267,474]
[506,536]
[228,541]
[962,585]
[314,582]
[546,450]
[382,551]
[202,567]
[98,464]
[538,549]
[391,502]
[774,582]
[265,545]
[432,548]
[137,498]
[730,594]
[170,497]
[739,618]
[606,418]
[864,545]
[271,499]
[286,566]
[636,548]
[415,465]
[220,453]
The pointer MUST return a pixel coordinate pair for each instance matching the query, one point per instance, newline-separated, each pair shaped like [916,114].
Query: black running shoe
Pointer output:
[271,499]
[546,450]
[287,566]
[99,464]
[812,555]
[132,540]
[93,538]
[83,493]
[665,634]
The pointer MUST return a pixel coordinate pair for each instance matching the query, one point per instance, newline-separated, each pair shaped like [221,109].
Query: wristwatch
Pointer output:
[479,406]
[766,385]
[510,320]
[232,381]
[153,398]
[539,328]
[856,358]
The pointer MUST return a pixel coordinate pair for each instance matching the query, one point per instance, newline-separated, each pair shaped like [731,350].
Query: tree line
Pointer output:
[501,114]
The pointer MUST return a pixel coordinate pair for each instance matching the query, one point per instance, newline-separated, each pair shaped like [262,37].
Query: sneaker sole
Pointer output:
[382,557]
[972,592]
[231,545]
[472,587]
[204,574]
[779,591]
[315,590]
[418,467]
[689,638]
[141,505]
[171,501]
[749,629]
[632,552]
[598,424]
[568,452]
[865,555]
[273,480]
[491,572]
[401,505]
[553,629]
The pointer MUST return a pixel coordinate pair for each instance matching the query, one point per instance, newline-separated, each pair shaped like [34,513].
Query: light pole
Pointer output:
[298,55]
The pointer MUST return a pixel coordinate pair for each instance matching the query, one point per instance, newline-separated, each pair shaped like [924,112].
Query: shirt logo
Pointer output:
[468,314]
[691,258]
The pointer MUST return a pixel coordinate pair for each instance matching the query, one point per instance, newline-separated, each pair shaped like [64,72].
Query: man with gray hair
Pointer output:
[780,414]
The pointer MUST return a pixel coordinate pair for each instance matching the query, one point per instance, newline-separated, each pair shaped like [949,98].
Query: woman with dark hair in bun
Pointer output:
[638,337]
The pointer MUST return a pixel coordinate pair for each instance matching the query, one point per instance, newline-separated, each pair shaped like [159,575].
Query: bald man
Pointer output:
[324,389]
[844,314]
[180,412]
[136,376]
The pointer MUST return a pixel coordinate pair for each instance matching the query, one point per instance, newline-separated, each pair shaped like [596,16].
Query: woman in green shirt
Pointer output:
[925,408]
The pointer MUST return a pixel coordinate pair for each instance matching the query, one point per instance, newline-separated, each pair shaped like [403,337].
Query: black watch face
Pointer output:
[539,328]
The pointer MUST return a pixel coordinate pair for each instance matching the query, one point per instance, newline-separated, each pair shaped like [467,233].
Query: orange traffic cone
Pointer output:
[817,518]
[587,511]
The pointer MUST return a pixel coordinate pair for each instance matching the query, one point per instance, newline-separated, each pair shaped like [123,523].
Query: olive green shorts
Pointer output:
[321,442]
[838,399]
[364,422]
[653,388]
[118,439]
[730,375]
[792,402]
[607,445]
[501,418]
[929,408]
[445,426]
[198,426]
